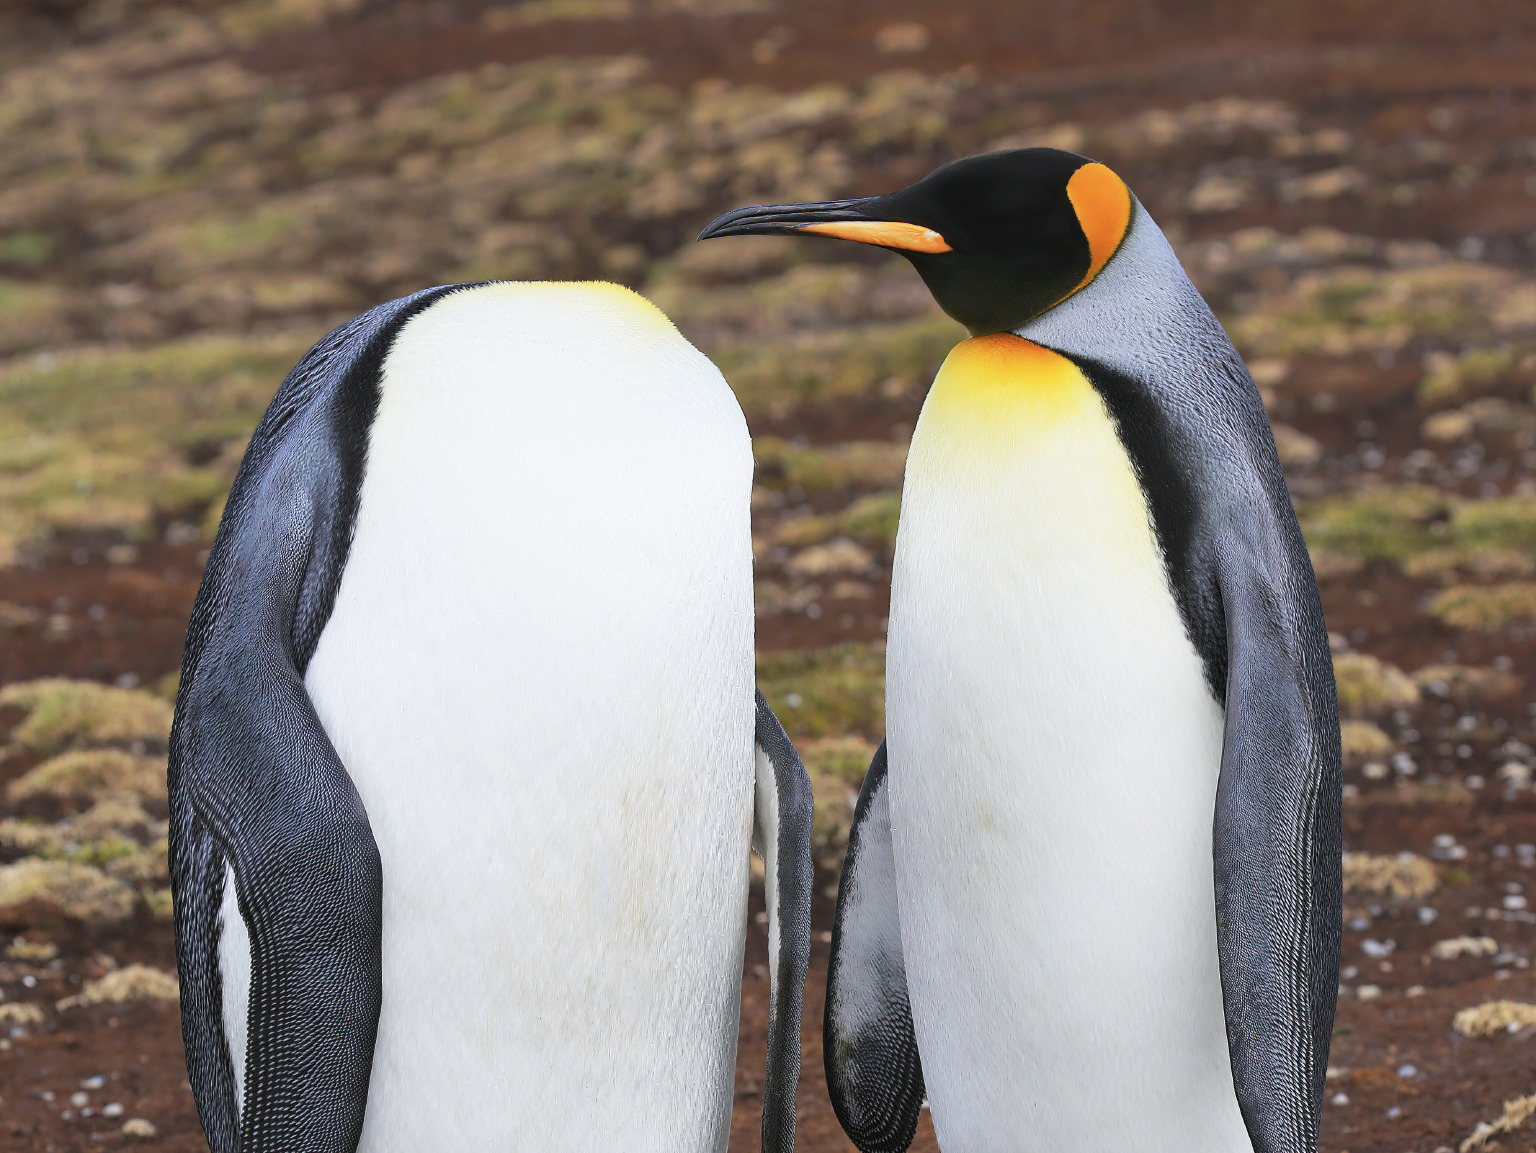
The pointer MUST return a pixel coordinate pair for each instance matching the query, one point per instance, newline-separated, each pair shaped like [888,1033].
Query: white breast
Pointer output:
[1054,753]
[539,673]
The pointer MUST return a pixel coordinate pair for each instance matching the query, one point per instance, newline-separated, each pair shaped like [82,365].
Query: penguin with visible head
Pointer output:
[468,763]
[1092,894]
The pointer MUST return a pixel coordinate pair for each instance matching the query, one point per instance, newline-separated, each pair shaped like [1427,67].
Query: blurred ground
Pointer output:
[190,195]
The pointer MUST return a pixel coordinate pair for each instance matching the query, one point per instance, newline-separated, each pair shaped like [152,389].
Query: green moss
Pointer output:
[853,464]
[1476,372]
[1344,311]
[845,758]
[830,692]
[25,248]
[90,774]
[1364,739]
[1486,608]
[62,714]
[1467,685]
[1369,687]
[873,519]
[104,851]
[1386,523]
[1498,523]
[161,906]
[106,438]
[32,315]
[836,767]
[82,892]
[1445,564]
[870,519]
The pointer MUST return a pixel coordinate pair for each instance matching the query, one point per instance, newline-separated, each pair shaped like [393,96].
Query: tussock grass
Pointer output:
[1486,608]
[1494,1017]
[1369,687]
[90,775]
[1364,739]
[64,714]
[81,892]
[1402,877]
[133,983]
[1454,947]
[1516,1114]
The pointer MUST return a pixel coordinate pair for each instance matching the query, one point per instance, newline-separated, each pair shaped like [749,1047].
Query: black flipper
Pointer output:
[255,782]
[1277,845]
[874,1074]
[782,837]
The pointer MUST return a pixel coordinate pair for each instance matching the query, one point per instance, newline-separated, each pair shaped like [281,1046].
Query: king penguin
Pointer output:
[467,761]
[1092,895]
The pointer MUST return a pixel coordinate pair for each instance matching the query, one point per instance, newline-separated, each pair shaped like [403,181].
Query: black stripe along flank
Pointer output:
[1154,446]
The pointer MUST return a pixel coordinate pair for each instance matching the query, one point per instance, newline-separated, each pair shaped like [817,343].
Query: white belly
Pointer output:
[539,673]
[1054,754]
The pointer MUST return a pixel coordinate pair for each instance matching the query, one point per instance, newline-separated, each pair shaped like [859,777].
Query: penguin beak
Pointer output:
[843,219]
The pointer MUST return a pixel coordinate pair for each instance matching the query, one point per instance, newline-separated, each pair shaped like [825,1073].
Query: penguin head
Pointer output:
[999,239]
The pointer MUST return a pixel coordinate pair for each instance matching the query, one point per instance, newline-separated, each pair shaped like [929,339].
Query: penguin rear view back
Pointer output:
[467,760]
[1092,894]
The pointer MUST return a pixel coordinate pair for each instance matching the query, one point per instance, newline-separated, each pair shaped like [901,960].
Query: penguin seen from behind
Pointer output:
[1092,896]
[467,761]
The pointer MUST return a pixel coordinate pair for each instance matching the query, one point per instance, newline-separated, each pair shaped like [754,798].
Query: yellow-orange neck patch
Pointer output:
[1006,390]
[1103,206]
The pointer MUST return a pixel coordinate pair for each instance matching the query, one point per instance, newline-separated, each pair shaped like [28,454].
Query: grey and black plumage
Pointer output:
[1112,728]
[377,692]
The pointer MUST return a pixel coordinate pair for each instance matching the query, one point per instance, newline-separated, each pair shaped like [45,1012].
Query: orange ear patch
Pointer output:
[885,233]
[1103,206]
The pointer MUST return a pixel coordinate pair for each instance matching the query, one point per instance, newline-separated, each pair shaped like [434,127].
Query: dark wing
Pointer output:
[874,1075]
[783,839]
[255,783]
[1278,835]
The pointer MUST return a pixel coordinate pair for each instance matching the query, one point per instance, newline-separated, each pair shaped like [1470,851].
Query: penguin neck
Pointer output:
[1140,316]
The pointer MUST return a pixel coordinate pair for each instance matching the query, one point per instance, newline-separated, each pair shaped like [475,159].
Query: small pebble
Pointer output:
[1341,1098]
[1377,949]
[79,1099]
[138,1127]
[112,1110]
[95,1082]
[1414,991]
[1427,915]
[1368,992]
[1407,1071]
[1394,1113]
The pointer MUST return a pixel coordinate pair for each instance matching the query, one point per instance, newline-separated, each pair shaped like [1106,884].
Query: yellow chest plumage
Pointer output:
[1007,418]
